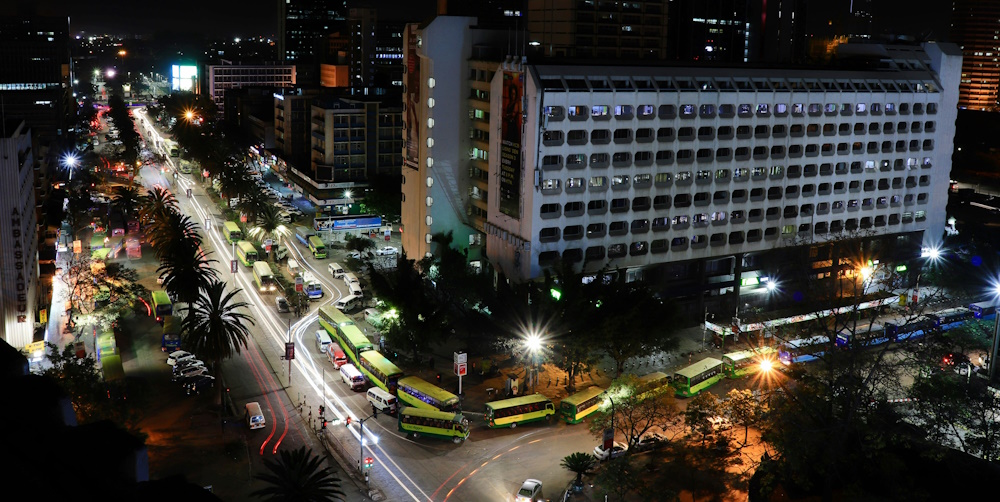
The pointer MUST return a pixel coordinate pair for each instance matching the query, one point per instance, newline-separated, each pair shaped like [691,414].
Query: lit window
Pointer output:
[430,182]
[861,108]
[429,201]
[431,82]
[430,123]
[430,102]
[798,109]
[599,111]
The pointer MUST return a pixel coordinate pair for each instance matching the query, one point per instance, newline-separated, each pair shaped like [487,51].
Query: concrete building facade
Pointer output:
[226,76]
[707,180]
[19,227]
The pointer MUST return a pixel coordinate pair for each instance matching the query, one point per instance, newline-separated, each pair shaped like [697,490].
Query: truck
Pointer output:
[303,234]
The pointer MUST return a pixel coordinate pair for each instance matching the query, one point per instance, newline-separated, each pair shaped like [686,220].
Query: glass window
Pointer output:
[599,111]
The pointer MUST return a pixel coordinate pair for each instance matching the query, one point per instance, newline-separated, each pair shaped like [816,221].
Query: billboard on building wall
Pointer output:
[412,98]
[183,78]
[510,143]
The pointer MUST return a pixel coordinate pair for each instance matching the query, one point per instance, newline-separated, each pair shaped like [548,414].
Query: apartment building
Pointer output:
[705,181]
[226,76]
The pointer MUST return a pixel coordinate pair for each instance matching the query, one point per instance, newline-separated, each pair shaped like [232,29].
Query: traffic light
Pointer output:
[369,462]
[324,424]
[322,410]
[348,421]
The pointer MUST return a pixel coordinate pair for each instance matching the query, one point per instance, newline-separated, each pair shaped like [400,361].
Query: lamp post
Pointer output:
[704,331]
[533,343]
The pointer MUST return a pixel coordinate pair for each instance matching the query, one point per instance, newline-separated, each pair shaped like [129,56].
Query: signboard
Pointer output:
[298,284]
[510,144]
[460,357]
[387,234]
[609,438]
[412,98]
[289,350]
[347,222]
[43,316]
[267,245]
[232,266]
[77,246]
[35,347]
[461,369]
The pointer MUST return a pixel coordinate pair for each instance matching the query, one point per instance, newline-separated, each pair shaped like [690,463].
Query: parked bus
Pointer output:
[701,375]
[133,226]
[232,232]
[433,423]
[910,331]
[576,407]
[983,310]
[380,371]
[317,247]
[264,278]
[247,253]
[803,350]
[162,306]
[171,340]
[741,363]
[117,224]
[350,337]
[303,234]
[518,410]
[415,391]
[950,318]
[653,380]
[866,335]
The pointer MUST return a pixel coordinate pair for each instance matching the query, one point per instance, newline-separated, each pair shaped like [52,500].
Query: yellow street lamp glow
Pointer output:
[866,272]
[766,366]
[189,115]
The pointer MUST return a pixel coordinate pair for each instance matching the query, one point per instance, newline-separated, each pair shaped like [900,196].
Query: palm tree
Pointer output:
[253,202]
[170,230]
[126,199]
[578,463]
[157,203]
[185,270]
[269,226]
[298,475]
[215,326]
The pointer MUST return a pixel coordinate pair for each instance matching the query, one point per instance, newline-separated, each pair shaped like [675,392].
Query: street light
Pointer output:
[533,343]
[70,160]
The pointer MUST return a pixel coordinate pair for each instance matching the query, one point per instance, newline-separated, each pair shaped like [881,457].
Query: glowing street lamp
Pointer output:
[533,344]
[70,160]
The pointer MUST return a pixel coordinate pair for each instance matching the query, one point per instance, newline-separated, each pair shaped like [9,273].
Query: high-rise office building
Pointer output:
[974,27]
[225,76]
[449,65]
[19,254]
[705,181]
[303,26]
[354,140]
[635,30]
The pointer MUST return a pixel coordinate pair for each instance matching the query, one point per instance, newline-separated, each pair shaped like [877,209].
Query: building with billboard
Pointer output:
[704,181]
[184,78]
[19,227]
[449,64]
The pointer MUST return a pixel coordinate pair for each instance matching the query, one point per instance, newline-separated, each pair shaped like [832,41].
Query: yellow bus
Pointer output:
[317,247]
[232,232]
[415,391]
[264,278]
[380,371]
[162,306]
[433,423]
[247,253]
[576,407]
[518,410]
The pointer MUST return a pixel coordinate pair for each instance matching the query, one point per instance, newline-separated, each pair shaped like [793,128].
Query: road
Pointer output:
[489,466]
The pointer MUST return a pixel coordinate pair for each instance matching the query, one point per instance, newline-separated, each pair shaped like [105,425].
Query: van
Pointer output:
[351,279]
[254,417]
[322,341]
[382,400]
[336,355]
[293,268]
[347,303]
[352,377]
[355,290]
[336,270]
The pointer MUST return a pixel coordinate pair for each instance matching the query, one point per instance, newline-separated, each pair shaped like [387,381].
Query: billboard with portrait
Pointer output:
[412,98]
[510,143]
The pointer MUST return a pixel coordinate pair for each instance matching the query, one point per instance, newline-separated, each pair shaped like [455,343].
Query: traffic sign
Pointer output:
[299,284]
[232,266]
[461,369]
[289,350]
[267,245]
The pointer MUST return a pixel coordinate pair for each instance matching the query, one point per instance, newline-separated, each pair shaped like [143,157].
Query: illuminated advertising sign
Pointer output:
[347,223]
[183,78]
[510,144]
[412,97]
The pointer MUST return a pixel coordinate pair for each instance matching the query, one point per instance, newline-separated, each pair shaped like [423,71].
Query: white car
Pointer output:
[189,372]
[187,363]
[617,449]
[354,254]
[387,251]
[178,355]
[531,491]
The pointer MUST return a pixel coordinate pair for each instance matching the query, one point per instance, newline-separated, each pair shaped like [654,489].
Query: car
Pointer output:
[284,217]
[189,372]
[617,449]
[387,251]
[186,363]
[649,441]
[354,254]
[177,355]
[719,423]
[295,212]
[372,315]
[198,383]
[531,491]
[282,304]
[288,197]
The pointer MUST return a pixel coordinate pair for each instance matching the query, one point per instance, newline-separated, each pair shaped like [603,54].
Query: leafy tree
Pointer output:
[632,412]
[744,408]
[699,410]
[216,326]
[578,463]
[382,197]
[103,291]
[360,244]
[421,320]
[298,475]
[564,310]
[619,477]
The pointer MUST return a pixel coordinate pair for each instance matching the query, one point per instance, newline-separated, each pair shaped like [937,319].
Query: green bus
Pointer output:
[379,370]
[264,278]
[162,306]
[317,247]
[171,339]
[518,410]
[433,423]
[232,232]
[576,407]
[350,337]
[744,362]
[247,253]
[415,391]
[690,381]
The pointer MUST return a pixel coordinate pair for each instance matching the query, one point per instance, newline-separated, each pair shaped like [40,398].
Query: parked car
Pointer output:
[177,355]
[649,441]
[282,304]
[185,363]
[531,491]
[354,254]
[189,372]
[386,251]
[617,449]
[198,383]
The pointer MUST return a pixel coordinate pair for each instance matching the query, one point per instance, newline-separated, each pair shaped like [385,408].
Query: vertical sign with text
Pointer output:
[510,144]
